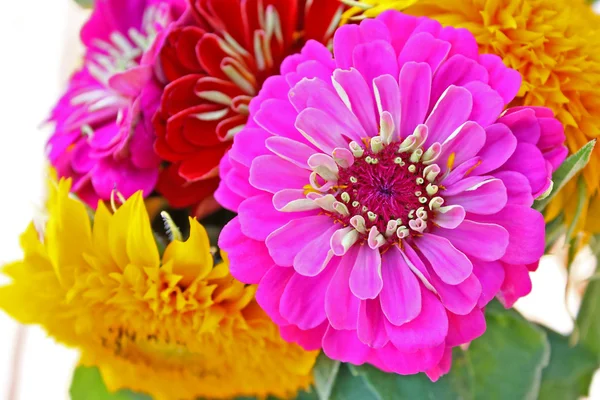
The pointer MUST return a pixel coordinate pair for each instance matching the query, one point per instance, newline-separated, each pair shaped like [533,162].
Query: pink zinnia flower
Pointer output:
[384,197]
[104,137]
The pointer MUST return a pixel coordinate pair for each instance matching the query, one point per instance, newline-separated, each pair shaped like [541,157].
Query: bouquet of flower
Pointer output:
[318,199]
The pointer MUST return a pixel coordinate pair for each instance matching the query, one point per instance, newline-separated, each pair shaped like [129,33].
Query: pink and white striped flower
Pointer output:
[384,196]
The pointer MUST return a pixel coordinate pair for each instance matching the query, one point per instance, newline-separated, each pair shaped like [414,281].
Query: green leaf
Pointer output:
[85,3]
[581,197]
[554,230]
[505,363]
[350,386]
[325,372]
[569,373]
[87,384]
[392,387]
[588,318]
[566,172]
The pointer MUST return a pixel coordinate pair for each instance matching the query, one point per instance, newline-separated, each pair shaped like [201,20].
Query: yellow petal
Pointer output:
[68,232]
[191,259]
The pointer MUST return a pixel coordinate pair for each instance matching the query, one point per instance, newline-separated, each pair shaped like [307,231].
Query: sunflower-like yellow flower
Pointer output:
[176,326]
[554,45]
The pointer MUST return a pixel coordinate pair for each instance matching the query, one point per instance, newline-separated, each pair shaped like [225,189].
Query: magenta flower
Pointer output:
[103,137]
[384,198]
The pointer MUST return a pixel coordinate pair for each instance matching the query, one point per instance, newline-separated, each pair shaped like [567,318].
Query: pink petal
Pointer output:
[249,144]
[272,174]
[278,118]
[487,103]
[311,69]
[348,37]
[464,144]
[486,197]
[293,200]
[400,27]
[427,330]
[344,346]
[387,96]
[518,189]
[525,227]
[258,218]
[463,42]
[423,47]
[491,276]
[374,59]
[450,217]
[371,324]
[300,94]
[461,298]
[286,242]
[504,80]
[415,263]
[312,50]
[523,123]
[443,366]
[227,198]
[302,302]
[529,161]
[358,97]
[451,265]
[238,180]
[270,290]
[415,89]
[365,278]
[517,284]
[400,296]
[314,256]
[458,70]
[249,259]
[130,82]
[290,150]
[411,363]
[500,144]
[459,172]
[326,99]
[464,328]
[451,111]
[341,305]
[309,340]
[487,242]
[320,129]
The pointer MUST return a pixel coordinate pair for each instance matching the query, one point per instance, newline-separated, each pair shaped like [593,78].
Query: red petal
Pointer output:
[230,123]
[180,193]
[224,16]
[185,130]
[204,164]
[178,56]
[318,19]
[180,95]
[211,84]
[211,55]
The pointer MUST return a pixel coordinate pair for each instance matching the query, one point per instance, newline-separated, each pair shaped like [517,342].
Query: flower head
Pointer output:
[215,62]
[174,326]
[385,195]
[103,137]
[553,44]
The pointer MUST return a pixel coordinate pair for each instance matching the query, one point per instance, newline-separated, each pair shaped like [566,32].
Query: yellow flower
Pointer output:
[176,326]
[554,45]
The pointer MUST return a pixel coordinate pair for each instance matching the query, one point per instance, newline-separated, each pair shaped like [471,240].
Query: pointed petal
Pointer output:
[451,265]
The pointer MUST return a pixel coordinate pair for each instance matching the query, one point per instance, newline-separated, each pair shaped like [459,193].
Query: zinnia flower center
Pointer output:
[123,52]
[383,191]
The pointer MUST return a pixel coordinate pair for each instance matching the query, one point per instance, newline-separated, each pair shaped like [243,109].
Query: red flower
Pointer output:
[215,61]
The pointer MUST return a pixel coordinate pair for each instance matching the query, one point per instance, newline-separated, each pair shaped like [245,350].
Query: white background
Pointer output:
[39,47]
